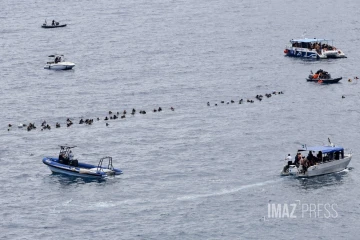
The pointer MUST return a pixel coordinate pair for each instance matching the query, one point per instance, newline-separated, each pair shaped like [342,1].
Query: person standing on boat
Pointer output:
[53,22]
[297,159]
[305,164]
[288,159]
[310,158]
[319,156]
[71,156]
[61,157]
[288,162]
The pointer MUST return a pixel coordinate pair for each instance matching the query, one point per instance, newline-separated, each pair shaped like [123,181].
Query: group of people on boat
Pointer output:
[320,74]
[313,45]
[57,59]
[67,158]
[311,160]
[54,23]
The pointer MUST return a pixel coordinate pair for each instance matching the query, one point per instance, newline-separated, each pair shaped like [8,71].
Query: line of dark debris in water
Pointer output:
[258,97]
[89,121]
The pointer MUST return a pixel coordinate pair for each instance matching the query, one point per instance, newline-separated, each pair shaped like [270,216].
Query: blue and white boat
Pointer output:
[313,48]
[65,164]
[320,160]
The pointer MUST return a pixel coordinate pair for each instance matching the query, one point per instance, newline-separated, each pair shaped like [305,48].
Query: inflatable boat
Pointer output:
[66,164]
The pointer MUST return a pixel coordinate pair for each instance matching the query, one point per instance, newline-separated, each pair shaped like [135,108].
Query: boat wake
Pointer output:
[68,202]
[227,191]
[346,170]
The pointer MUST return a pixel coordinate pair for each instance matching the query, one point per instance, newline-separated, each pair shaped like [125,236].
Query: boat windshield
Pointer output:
[65,151]
[57,58]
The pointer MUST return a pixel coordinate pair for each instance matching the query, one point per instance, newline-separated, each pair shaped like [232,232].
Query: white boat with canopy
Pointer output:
[57,62]
[320,160]
[313,48]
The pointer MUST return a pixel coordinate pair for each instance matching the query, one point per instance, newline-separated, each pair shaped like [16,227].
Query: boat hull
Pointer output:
[82,170]
[60,66]
[325,168]
[319,169]
[327,81]
[53,26]
[71,173]
[301,53]
[312,54]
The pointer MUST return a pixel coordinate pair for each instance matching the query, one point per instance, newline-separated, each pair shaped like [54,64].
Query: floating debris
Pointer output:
[258,97]
[82,121]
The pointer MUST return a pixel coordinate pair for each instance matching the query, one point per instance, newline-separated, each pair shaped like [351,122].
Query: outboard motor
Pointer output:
[293,170]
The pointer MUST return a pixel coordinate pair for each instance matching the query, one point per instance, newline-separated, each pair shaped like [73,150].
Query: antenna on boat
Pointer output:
[330,143]
[303,35]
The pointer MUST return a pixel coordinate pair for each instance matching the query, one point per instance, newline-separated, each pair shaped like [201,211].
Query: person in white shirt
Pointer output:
[288,158]
[288,161]
[71,156]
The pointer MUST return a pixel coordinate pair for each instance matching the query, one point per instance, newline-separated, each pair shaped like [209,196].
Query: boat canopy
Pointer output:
[323,149]
[66,146]
[55,55]
[309,40]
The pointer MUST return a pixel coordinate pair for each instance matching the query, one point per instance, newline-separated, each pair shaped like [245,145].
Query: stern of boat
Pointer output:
[289,170]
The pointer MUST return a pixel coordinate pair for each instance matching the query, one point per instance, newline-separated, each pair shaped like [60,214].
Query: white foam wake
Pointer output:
[227,191]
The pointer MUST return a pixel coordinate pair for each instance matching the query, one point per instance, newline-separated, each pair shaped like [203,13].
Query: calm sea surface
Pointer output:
[197,172]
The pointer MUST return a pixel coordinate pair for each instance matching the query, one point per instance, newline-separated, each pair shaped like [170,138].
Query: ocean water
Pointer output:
[198,172]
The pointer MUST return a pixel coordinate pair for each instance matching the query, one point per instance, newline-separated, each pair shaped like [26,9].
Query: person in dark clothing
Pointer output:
[53,22]
[319,156]
[62,158]
[305,164]
[297,159]
[310,158]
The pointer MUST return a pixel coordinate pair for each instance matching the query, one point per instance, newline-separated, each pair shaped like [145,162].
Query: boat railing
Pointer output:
[109,166]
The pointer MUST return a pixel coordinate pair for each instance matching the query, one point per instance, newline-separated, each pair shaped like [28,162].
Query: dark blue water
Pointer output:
[197,172]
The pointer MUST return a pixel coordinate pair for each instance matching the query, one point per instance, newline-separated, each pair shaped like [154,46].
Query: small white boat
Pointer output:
[57,62]
[319,161]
